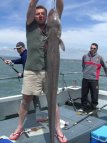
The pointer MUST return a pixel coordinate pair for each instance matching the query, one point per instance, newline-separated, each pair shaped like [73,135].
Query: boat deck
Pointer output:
[77,134]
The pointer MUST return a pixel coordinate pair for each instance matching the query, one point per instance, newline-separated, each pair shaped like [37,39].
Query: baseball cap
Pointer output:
[20,45]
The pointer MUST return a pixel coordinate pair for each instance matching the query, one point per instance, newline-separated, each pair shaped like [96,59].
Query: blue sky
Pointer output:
[83,22]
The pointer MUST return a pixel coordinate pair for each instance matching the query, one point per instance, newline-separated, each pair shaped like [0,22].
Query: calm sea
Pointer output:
[67,67]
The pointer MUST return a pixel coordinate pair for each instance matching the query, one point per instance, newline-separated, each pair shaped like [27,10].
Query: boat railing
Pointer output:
[74,77]
[74,86]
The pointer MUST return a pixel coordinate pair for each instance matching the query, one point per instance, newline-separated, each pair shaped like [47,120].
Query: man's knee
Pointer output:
[24,103]
[26,100]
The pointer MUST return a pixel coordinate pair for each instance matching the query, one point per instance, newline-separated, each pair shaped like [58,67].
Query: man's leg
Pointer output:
[24,106]
[59,133]
[94,88]
[84,93]
[23,110]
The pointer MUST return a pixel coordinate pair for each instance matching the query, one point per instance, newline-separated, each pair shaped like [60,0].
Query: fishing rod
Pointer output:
[11,65]
[6,78]
[89,114]
[71,101]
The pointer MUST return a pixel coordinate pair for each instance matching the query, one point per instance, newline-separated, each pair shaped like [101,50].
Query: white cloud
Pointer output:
[99,17]
[11,36]
[78,41]
[8,40]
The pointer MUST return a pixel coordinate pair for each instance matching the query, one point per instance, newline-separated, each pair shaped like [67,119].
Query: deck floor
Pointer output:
[77,134]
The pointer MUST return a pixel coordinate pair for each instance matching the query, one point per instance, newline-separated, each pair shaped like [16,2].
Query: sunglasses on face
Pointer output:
[93,48]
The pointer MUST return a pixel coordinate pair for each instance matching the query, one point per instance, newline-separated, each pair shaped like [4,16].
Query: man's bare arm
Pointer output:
[59,6]
[31,11]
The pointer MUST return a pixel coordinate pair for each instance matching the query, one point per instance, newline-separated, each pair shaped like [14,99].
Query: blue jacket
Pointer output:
[22,59]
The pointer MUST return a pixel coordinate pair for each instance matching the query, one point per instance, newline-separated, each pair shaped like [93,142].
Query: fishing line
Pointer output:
[54,4]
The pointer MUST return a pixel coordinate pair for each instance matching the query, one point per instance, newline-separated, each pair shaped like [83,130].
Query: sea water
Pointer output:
[70,72]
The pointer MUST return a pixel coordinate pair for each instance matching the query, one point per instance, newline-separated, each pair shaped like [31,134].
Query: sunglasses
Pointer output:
[93,48]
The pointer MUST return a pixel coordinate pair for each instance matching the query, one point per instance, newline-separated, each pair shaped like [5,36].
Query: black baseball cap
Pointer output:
[20,45]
